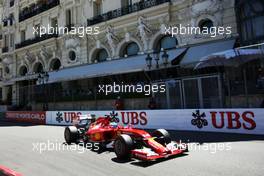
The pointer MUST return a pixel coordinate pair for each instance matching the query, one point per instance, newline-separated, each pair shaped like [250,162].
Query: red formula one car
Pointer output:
[127,141]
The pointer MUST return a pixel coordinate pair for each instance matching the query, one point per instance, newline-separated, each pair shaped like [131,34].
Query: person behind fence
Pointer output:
[152,103]
[119,103]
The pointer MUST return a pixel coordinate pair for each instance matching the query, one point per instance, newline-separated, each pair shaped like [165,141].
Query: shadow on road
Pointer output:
[116,160]
[8,123]
[212,137]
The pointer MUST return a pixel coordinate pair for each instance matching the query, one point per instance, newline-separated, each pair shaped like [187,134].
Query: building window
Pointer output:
[1,72]
[68,18]
[6,38]
[97,7]
[55,64]
[12,40]
[72,55]
[167,42]
[22,36]
[38,68]
[206,24]
[11,19]
[12,3]
[250,21]
[7,70]
[54,22]
[102,55]
[23,71]
[131,49]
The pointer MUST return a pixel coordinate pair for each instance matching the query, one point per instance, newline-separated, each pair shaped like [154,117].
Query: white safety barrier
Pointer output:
[248,121]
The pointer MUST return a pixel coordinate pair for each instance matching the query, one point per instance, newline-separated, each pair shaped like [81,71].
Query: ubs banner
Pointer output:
[249,121]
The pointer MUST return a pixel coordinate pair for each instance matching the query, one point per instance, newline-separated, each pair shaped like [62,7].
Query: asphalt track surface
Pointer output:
[17,152]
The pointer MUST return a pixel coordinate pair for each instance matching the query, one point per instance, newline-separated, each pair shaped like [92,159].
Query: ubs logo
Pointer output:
[59,117]
[199,119]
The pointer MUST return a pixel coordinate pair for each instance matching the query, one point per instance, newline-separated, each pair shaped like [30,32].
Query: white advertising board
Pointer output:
[248,121]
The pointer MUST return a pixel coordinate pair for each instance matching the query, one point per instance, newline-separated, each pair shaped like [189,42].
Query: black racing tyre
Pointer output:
[71,134]
[162,136]
[122,147]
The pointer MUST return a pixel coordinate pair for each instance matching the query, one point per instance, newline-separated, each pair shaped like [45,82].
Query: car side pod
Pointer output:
[4,171]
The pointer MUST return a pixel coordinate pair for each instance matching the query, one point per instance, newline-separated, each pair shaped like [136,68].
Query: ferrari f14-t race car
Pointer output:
[126,141]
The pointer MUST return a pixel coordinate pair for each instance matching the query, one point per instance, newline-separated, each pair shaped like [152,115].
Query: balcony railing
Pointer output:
[35,40]
[124,11]
[37,9]
[5,49]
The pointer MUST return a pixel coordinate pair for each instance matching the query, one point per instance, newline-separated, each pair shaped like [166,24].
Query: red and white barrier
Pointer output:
[27,116]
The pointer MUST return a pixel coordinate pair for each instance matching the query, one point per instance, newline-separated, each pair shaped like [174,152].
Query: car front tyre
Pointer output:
[123,146]
[71,134]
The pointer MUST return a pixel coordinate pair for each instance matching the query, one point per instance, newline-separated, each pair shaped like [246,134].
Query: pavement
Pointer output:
[40,151]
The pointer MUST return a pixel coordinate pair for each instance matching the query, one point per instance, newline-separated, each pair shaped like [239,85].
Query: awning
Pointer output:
[133,64]
[234,57]
[195,53]
[113,67]
[177,55]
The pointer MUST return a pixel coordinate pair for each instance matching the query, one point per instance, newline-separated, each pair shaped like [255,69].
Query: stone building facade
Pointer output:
[128,28]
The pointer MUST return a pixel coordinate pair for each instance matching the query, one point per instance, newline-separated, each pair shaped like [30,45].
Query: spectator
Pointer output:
[152,103]
[119,103]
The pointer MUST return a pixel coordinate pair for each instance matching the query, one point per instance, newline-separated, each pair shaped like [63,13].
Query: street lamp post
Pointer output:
[156,56]
[165,58]
[149,61]
[43,79]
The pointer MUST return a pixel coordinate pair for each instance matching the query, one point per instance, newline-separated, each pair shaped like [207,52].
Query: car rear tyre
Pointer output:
[162,136]
[71,134]
[123,145]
